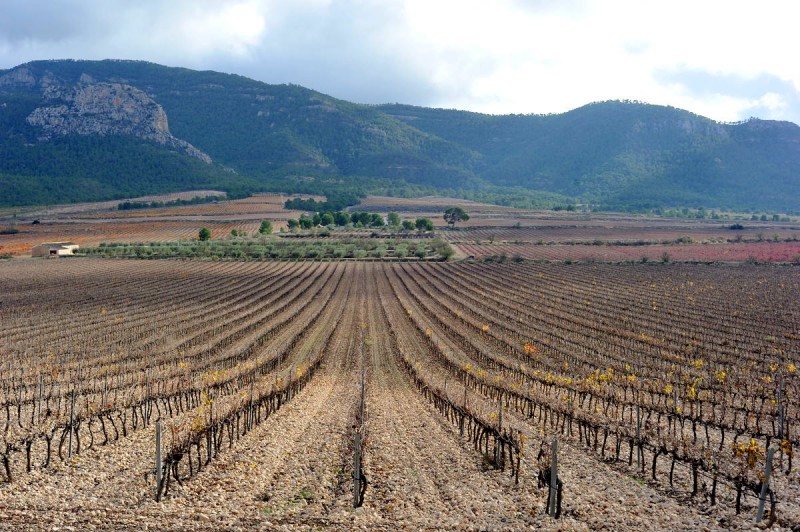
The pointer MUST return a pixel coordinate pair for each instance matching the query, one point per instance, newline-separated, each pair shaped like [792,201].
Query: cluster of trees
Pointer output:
[359,220]
[130,205]
[421,224]
[337,218]
[336,201]
[373,220]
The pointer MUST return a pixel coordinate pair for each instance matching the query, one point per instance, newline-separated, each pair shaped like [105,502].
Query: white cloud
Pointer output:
[498,58]
[503,56]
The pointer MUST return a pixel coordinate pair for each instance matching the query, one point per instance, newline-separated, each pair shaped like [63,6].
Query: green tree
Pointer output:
[455,214]
[293,224]
[326,219]
[341,218]
[306,222]
[376,220]
[408,225]
[204,234]
[393,219]
[424,224]
[266,227]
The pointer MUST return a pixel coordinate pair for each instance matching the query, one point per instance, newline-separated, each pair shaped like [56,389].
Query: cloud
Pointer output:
[36,21]
[726,59]
[731,97]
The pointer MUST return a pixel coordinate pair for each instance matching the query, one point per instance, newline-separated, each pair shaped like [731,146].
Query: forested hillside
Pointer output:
[629,155]
[85,130]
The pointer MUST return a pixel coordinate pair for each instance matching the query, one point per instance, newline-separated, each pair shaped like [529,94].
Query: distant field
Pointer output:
[756,251]
[490,231]
[632,231]
[90,224]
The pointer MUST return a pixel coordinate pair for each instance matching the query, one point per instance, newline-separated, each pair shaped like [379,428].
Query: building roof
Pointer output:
[57,244]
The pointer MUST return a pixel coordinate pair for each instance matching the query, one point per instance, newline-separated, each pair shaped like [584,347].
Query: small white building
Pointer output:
[54,249]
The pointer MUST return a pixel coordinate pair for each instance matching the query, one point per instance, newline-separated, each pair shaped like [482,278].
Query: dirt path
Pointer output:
[424,475]
[288,469]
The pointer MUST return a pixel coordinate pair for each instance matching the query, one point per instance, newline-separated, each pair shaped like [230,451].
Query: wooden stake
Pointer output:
[159,479]
[71,422]
[638,438]
[765,486]
[357,471]
[41,394]
[551,510]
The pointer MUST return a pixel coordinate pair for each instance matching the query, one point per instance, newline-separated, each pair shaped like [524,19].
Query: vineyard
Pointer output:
[722,252]
[669,387]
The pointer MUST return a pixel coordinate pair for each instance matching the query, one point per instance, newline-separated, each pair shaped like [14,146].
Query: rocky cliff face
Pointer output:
[97,108]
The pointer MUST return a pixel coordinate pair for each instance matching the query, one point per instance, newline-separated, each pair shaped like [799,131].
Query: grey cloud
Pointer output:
[23,21]
[343,51]
[340,49]
[701,83]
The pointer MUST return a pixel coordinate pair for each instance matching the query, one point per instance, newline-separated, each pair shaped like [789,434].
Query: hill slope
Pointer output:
[221,129]
[78,130]
[629,154]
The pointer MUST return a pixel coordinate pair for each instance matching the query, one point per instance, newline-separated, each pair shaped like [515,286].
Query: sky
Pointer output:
[727,60]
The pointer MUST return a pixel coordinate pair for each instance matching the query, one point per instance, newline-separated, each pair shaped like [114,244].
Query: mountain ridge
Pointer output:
[250,135]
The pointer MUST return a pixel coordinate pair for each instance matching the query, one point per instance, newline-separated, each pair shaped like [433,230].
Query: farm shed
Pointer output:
[54,249]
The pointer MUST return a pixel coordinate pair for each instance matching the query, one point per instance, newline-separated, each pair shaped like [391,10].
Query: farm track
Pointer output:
[224,326]
[425,475]
[269,472]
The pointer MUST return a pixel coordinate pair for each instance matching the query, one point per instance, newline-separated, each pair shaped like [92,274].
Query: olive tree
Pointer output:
[455,214]
[424,224]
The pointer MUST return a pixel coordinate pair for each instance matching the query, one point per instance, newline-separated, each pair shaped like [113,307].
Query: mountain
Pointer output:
[72,130]
[625,154]
[83,130]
